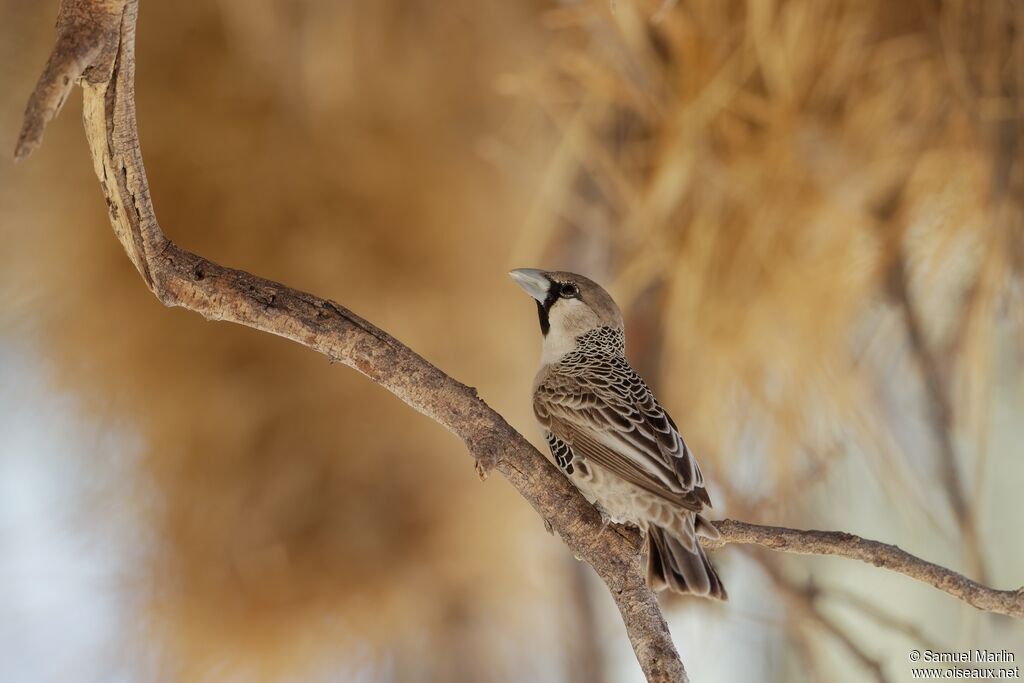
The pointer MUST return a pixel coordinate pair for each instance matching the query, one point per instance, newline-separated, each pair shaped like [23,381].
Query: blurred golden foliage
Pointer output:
[763,165]
[746,176]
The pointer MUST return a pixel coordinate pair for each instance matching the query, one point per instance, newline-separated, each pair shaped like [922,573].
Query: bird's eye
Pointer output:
[569,290]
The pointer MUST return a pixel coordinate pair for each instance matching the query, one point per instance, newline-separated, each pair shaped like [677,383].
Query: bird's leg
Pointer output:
[487,451]
[483,468]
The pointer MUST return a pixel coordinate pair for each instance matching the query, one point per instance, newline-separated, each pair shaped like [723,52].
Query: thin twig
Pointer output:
[842,544]
[940,414]
[803,599]
[877,614]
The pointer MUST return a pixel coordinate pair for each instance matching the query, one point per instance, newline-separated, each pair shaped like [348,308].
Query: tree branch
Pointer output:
[940,415]
[879,615]
[841,544]
[95,47]
[803,600]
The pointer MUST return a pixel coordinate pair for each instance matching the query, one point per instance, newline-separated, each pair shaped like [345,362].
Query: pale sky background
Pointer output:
[64,543]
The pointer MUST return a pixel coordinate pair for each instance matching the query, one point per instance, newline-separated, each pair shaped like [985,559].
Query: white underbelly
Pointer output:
[622,501]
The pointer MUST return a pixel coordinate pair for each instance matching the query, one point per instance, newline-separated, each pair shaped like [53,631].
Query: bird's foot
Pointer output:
[488,451]
[482,468]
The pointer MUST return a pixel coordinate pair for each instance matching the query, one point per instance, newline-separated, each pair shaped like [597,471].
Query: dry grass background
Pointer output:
[748,178]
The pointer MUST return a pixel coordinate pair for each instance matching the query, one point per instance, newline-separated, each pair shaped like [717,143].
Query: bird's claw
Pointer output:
[482,468]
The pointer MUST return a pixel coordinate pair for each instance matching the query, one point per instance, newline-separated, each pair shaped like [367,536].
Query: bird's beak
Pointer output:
[533,281]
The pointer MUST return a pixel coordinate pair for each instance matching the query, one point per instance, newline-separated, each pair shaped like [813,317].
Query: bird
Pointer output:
[611,437]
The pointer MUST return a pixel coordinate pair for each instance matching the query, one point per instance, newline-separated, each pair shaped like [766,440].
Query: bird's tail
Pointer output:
[681,567]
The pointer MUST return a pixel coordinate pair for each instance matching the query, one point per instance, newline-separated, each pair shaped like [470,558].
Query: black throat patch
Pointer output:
[544,307]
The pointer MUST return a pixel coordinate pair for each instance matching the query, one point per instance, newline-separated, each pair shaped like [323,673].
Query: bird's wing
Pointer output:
[603,410]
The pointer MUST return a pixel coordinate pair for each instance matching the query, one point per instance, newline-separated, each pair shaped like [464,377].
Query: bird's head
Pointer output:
[569,306]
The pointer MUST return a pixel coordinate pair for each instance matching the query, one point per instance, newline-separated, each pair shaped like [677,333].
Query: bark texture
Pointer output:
[885,555]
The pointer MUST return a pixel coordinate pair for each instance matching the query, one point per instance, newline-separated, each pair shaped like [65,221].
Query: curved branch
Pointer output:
[86,39]
[95,46]
[841,544]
